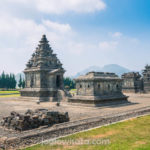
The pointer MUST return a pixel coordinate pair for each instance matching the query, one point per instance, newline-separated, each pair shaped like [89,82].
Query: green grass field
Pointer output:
[73,91]
[9,93]
[12,95]
[133,134]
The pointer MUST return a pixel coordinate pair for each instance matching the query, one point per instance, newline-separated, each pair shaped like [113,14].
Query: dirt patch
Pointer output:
[138,143]
[131,119]
[109,133]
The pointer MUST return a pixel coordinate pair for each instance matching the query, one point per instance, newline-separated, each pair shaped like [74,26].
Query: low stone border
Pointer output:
[68,128]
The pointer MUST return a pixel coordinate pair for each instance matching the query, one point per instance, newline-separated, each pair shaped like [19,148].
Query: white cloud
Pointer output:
[19,37]
[63,28]
[21,27]
[18,27]
[63,6]
[76,47]
[108,45]
[23,22]
[117,34]
[26,28]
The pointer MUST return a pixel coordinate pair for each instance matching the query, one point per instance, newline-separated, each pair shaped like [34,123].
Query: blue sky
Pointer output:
[83,33]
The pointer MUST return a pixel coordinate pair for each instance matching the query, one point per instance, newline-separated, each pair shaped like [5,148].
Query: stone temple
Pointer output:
[98,87]
[43,74]
[132,82]
[146,79]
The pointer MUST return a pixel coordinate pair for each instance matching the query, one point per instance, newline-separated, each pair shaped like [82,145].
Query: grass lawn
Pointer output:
[133,134]
[9,93]
[73,91]
[12,95]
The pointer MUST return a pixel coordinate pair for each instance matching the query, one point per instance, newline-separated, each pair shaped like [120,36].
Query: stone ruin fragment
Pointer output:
[34,119]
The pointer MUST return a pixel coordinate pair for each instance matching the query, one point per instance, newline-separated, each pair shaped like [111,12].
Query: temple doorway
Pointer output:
[58,81]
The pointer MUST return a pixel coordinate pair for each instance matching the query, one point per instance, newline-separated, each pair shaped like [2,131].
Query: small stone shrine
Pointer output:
[43,74]
[98,87]
[146,79]
[132,82]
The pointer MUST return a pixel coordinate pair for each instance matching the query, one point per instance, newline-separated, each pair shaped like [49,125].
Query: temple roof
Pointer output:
[44,39]
[131,75]
[43,57]
[98,76]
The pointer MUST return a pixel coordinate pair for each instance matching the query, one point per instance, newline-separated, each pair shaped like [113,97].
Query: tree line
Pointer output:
[69,83]
[7,81]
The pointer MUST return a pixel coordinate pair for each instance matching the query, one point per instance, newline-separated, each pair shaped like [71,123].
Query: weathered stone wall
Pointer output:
[85,88]
[107,87]
[38,93]
[132,82]
[34,77]
[91,88]
[146,79]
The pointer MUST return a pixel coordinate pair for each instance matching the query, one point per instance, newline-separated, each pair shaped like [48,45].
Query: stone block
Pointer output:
[33,119]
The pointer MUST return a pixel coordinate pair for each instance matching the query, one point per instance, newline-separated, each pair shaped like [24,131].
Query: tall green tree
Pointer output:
[3,80]
[23,84]
[20,82]
[14,82]
[7,81]
[69,83]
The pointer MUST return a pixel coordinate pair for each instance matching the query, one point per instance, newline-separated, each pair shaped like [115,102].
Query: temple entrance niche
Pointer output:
[58,81]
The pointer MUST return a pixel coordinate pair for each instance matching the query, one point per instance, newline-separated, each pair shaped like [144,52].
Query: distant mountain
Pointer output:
[119,70]
[92,68]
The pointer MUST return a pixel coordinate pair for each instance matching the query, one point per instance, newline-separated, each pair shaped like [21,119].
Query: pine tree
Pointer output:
[3,78]
[69,83]
[23,84]
[7,81]
[10,81]
[0,81]
[20,82]
[14,82]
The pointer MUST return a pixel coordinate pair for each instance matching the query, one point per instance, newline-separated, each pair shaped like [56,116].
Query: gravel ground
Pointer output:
[75,112]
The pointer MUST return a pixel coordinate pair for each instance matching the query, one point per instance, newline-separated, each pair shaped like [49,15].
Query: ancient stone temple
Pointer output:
[132,82]
[146,78]
[43,74]
[98,87]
